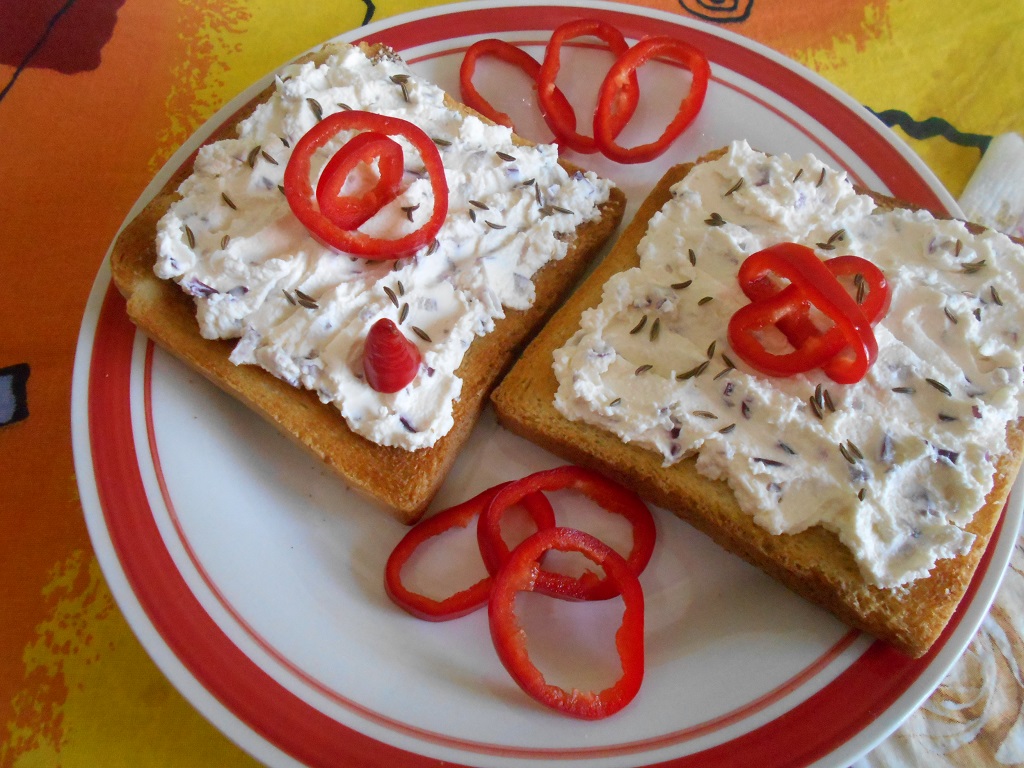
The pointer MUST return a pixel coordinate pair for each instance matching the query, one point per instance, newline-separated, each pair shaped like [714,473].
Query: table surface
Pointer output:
[96,94]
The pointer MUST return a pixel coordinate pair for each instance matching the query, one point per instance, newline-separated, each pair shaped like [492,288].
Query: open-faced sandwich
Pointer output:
[365,301]
[826,382]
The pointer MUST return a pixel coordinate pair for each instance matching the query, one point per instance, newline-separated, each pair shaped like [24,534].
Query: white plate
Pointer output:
[254,577]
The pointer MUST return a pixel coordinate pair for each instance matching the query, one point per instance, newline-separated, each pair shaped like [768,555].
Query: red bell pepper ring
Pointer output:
[844,351]
[609,495]
[608,125]
[298,187]
[352,210]
[467,600]
[877,296]
[619,105]
[510,54]
[521,574]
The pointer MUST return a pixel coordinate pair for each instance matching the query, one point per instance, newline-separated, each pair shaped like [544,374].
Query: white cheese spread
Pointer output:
[896,464]
[302,310]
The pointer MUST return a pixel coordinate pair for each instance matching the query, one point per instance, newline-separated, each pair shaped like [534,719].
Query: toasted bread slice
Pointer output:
[403,481]
[813,563]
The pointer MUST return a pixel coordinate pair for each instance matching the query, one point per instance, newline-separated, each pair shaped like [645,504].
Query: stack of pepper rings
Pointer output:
[333,218]
[617,98]
[519,570]
[846,348]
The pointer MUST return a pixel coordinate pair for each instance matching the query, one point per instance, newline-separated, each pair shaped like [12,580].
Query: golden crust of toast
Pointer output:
[813,563]
[402,481]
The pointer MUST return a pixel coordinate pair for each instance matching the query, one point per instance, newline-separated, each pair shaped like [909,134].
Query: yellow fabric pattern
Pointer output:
[74,711]
[896,67]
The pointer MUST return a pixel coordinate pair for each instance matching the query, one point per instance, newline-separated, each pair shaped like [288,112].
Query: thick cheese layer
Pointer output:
[896,464]
[302,310]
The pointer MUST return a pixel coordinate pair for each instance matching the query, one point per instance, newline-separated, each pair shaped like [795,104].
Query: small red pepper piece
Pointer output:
[298,187]
[459,516]
[510,54]
[521,574]
[390,360]
[619,105]
[604,492]
[350,211]
[608,123]
[844,351]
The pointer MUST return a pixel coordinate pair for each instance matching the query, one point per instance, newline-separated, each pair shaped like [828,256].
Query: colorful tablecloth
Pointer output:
[96,94]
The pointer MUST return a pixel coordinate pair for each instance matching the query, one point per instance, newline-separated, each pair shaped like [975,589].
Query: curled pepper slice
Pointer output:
[521,574]
[845,350]
[298,187]
[349,211]
[608,124]
[604,492]
[466,600]
[510,54]
[619,105]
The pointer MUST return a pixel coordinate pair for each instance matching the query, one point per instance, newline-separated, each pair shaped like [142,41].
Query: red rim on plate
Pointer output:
[810,731]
